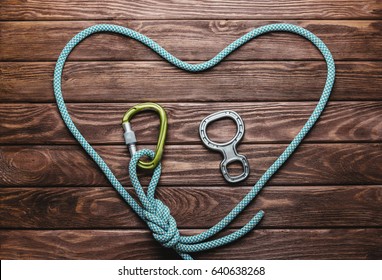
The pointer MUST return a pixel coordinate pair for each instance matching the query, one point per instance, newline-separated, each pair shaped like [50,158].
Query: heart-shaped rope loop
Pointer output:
[154,212]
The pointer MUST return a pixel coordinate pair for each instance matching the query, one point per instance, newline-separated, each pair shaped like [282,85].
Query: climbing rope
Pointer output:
[153,211]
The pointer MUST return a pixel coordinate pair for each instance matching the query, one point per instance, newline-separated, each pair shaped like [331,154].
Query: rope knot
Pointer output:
[162,224]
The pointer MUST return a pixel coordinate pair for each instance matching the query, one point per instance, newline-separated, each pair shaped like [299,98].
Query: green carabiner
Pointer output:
[129,134]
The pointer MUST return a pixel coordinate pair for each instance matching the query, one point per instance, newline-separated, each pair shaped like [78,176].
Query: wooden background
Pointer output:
[325,203]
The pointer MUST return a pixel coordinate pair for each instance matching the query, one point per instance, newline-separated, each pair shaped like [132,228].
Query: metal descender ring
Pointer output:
[228,149]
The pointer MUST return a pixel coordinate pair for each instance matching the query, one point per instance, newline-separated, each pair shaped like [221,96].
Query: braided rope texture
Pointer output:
[153,211]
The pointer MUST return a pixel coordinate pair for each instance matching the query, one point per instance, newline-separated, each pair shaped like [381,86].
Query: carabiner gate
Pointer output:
[129,134]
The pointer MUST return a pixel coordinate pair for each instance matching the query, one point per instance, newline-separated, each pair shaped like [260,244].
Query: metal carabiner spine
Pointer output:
[129,134]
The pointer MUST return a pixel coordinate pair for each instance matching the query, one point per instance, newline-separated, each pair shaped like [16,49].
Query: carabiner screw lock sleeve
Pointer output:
[131,140]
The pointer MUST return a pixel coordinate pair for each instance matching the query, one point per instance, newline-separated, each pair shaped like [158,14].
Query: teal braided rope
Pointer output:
[153,211]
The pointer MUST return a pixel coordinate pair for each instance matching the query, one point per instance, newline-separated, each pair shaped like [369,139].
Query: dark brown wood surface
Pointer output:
[193,207]
[230,81]
[200,40]
[324,203]
[312,164]
[266,122]
[192,9]
[138,244]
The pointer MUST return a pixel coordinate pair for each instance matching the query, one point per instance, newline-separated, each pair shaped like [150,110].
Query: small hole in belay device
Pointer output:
[235,168]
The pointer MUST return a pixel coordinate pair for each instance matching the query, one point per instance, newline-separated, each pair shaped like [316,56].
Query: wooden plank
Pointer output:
[265,122]
[243,9]
[190,40]
[230,81]
[191,165]
[139,244]
[285,207]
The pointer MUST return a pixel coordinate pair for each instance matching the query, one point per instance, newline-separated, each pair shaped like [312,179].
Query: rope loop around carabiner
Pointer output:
[129,134]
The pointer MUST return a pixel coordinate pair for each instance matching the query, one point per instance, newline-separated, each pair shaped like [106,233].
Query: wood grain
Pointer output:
[148,81]
[190,40]
[265,122]
[193,165]
[324,203]
[128,244]
[263,9]
[197,207]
